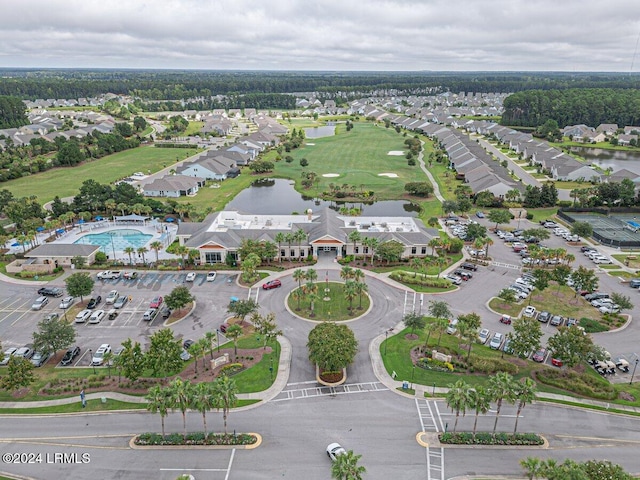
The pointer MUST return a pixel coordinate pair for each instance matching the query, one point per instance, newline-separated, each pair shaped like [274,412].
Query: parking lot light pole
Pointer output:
[413,371]
[91,355]
[386,335]
[218,339]
[635,365]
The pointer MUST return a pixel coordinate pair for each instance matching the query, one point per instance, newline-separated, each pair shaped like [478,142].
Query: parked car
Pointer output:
[544,317]
[463,274]
[506,319]
[51,317]
[479,214]
[150,314]
[156,302]
[8,353]
[496,341]
[130,275]
[187,343]
[211,276]
[93,303]
[121,301]
[453,326]
[483,336]
[271,284]
[596,295]
[112,297]
[529,311]
[614,308]
[165,312]
[50,291]
[24,352]
[622,365]
[96,316]
[571,321]
[556,321]
[556,362]
[454,279]
[66,302]
[469,266]
[70,356]
[223,327]
[98,355]
[39,303]
[40,358]
[539,356]
[635,283]
[83,316]
[334,450]
[185,356]
[191,276]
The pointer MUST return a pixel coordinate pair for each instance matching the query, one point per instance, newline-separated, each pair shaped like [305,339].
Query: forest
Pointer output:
[182,84]
[589,106]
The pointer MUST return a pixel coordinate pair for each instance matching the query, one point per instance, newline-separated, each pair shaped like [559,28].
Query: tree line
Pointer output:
[573,106]
[12,112]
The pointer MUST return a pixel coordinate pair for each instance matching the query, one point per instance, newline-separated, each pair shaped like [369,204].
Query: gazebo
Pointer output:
[133,218]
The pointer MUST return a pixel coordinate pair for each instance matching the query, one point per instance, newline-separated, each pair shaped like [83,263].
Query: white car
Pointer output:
[454,279]
[611,308]
[602,260]
[496,341]
[334,450]
[8,353]
[66,302]
[98,355]
[112,297]
[191,276]
[96,316]
[483,336]
[529,311]
[39,303]
[211,276]
[83,316]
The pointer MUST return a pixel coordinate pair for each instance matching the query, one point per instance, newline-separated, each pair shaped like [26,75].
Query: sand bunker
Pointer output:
[390,175]
[330,175]
[310,144]
[396,153]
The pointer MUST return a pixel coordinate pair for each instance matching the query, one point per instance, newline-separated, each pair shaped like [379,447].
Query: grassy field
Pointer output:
[336,309]
[214,199]
[65,182]
[358,156]
[258,377]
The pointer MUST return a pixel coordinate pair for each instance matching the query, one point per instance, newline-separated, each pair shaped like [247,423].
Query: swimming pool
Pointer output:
[116,239]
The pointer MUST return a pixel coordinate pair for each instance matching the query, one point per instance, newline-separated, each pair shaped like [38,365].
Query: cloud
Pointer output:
[533,35]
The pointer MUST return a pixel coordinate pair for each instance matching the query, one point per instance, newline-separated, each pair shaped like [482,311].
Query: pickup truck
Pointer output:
[109,274]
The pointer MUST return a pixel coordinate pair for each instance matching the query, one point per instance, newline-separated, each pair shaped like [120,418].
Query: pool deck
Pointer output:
[164,232]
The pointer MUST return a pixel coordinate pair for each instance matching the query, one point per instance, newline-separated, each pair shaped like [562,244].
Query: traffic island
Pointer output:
[245,441]
[492,439]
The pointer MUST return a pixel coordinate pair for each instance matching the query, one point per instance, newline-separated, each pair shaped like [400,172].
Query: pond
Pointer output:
[319,132]
[616,159]
[278,197]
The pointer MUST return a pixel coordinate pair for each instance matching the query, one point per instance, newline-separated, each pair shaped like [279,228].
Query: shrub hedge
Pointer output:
[580,383]
[196,438]
[409,279]
[486,438]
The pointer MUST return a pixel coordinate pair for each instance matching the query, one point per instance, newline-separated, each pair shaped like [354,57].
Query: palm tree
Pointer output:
[129,251]
[346,272]
[289,238]
[361,289]
[346,467]
[300,236]
[354,237]
[350,292]
[500,389]
[297,295]
[181,250]
[358,275]
[311,275]
[279,238]
[415,263]
[159,401]
[371,243]
[525,392]
[181,394]
[203,401]
[204,346]
[488,242]
[211,338]
[533,467]
[110,206]
[441,262]
[123,207]
[195,350]
[234,332]
[480,401]
[430,327]
[434,243]
[458,399]
[313,298]
[142,251]
[224,392]
[156,246]
[299,276]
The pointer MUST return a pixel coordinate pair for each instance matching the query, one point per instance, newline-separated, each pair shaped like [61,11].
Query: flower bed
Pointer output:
[580,383]
[485,438]
[198,438]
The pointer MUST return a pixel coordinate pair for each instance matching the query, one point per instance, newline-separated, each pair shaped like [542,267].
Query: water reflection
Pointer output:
[277,196]
[615,159]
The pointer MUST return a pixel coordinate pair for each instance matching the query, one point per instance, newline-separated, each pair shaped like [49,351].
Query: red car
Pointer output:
[223,327]
[271,284]
[539,356]
[556,362]
[156,302]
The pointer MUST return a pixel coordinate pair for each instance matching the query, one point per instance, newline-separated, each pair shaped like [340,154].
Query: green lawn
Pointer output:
[258,377]
[358,156]
[542,213]
[193,128]
[334,309]
[92,406]
[65,182]
[215,199]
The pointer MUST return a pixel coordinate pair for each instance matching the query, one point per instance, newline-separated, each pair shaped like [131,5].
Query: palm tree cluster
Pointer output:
[182,395]
[354,285]
[570,469]
[501,388]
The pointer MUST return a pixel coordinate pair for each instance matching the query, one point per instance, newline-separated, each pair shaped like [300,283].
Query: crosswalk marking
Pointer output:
[345,388]
[431,421]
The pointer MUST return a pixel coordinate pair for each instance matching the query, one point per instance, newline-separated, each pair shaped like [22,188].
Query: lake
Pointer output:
[616,159]
[318,132]
[278,197]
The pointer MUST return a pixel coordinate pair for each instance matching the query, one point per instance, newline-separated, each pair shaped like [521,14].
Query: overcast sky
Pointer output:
[460,35]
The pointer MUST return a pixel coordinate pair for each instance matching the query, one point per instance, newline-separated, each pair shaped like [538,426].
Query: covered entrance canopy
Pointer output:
[133,218]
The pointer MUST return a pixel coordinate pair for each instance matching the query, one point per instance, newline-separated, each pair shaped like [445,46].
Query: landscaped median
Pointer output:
[494,439]
[245,441]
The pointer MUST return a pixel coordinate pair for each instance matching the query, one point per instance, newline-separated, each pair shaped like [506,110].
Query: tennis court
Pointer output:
[614,229]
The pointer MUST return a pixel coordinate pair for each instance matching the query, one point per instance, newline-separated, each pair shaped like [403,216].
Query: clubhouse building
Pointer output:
[326,233]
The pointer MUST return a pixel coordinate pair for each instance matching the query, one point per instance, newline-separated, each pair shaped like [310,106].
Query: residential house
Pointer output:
[173,186]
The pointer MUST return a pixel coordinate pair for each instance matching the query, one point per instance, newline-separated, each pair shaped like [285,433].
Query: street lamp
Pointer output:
[113,248]
[635,365]
[386,335]
[218,339]
[413,371]
[271,369]
[91,356]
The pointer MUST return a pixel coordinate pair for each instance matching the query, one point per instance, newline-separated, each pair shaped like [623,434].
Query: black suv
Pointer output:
[93,303]
[50,292]
[469,266]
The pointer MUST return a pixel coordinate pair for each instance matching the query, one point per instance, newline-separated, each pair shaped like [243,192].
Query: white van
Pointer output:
[453,326]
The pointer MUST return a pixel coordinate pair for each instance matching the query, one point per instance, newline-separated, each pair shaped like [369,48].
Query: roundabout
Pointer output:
[328,302]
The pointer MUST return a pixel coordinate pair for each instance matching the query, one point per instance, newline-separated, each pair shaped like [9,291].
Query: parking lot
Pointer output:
[18,320]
